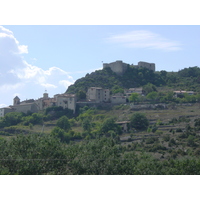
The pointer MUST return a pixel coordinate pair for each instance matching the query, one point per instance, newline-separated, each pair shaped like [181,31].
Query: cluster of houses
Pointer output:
[31,105]
[94,96]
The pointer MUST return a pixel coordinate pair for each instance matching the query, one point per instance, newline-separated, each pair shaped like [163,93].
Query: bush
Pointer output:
[179,130]
[139,121]
[108,125]
[166,138]
[151,140]
[63,123]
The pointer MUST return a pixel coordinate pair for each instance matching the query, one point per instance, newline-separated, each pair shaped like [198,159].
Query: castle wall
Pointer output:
[150,66]
[25,108]
[118,67]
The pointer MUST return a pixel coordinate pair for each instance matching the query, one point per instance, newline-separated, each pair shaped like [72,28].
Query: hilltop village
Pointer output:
[94,96]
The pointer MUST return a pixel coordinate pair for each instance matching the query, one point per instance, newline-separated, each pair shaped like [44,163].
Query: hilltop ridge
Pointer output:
[185,79]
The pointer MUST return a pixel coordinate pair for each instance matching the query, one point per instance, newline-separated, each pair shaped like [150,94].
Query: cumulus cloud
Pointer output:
[145,39]
[19,76]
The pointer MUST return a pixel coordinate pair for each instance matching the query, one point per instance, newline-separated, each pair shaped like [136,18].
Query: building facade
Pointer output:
[66,101]
[118,99]
[118,67]
[98,94]
[129,91]
[4,111]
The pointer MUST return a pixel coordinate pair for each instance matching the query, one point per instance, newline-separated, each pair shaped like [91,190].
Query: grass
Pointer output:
[142,141]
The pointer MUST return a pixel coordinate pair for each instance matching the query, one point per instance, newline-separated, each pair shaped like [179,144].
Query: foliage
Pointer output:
[139,121]
[56,112]
[11,119]
[149,88]
[32,154]
[45,154]
[35,118]
[134,97]
[152,95]
[86,124]
[63,123]
[106,78]
[81,95]
[110,125]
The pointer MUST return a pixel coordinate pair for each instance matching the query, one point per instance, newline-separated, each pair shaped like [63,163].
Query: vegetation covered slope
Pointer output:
[186,79]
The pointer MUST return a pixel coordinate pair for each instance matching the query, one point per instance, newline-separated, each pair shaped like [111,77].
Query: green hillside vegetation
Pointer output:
[186,79]
[91,142]
[158,141]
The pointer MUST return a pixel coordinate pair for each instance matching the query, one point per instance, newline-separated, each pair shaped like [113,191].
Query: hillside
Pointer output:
[106,78]
[162,140]
[186,79]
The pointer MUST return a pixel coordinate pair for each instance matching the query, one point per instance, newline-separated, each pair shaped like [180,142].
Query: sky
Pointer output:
[35,58]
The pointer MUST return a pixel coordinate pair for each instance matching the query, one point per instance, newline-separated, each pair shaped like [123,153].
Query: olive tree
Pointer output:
[139,121]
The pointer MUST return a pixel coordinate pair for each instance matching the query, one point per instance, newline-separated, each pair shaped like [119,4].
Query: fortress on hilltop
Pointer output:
[120,67]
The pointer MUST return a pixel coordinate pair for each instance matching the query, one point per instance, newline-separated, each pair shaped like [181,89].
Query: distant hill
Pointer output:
[186,79]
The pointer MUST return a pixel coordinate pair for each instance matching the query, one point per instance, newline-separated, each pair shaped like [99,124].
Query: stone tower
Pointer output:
[118,67]
[45,95]
[16,101]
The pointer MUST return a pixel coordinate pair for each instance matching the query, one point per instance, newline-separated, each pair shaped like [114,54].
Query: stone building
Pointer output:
[63,100]
[125,125]
[4,111]
[24,106]
[129,91]
[147,65]
[181,93]
[66,101]
[118,98]
[118,67]
[98,94]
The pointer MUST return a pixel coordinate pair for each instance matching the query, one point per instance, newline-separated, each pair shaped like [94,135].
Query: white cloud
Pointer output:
[47,85]
[3,105]
[18,76]
[145,39]
[9,44]
[65,83]
[10,87]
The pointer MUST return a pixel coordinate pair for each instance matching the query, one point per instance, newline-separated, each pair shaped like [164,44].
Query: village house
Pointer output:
[66,101]
[125,125]
[4,111]
[129,91]
[181,93]
[98,94]
[118,98]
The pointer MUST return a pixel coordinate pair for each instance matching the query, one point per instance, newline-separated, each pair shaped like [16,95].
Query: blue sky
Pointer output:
[35,58]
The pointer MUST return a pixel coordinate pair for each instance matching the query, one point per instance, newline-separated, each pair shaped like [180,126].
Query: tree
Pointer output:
[108,125]
[149,88]
[139,121]
[81,95]
[58,133]
[64,123]
[134,97]
[152,96]
[12,118]
[86,125]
